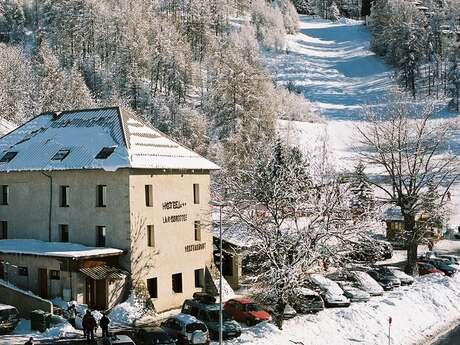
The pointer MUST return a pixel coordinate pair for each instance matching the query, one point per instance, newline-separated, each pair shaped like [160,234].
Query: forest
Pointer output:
[192,68]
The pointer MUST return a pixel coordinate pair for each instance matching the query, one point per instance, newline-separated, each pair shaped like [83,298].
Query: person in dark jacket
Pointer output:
[30,341]
[72,310]
[104,324]
[89,324]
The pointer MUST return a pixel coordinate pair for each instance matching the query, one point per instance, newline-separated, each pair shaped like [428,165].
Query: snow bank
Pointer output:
[58,331]
[128,312]
[418,312]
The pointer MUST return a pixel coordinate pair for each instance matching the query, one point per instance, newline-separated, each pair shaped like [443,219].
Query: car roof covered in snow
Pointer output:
[186,318]
[103,138]
[6,307]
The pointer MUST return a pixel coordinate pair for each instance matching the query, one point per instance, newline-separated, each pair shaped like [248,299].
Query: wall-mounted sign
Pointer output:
[168,205]
[175,219]
[195,247]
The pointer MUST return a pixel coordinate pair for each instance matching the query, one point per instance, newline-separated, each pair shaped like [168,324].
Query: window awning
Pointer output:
[103,272]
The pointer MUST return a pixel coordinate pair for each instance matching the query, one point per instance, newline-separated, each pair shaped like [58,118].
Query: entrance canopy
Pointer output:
[103,272]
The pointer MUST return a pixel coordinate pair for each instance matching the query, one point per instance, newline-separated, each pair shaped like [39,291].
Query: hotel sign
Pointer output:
[174,205]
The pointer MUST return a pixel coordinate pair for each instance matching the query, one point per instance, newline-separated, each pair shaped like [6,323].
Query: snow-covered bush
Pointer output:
[290,16]
[334,12]
[294,106]
[269,24]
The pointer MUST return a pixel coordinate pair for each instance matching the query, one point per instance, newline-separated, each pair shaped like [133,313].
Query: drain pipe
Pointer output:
[51,205]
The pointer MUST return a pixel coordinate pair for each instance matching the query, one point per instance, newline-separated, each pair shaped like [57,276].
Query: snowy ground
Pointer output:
[418,312]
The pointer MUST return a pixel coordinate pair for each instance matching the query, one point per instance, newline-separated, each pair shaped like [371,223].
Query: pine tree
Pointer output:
[303,6]
[362,201]
[454,82]
[334,13]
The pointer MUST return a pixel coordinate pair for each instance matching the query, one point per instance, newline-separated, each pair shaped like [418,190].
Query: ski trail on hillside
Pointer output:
[332,65]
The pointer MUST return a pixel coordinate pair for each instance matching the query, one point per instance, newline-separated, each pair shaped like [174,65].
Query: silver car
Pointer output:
[353,293]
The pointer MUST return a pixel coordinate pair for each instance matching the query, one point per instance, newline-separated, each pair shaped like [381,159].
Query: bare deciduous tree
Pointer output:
[415,166]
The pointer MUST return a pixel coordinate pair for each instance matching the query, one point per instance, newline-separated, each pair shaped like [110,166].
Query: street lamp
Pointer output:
[221,205]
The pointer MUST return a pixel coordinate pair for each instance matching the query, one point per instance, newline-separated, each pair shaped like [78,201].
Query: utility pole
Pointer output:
[220,205]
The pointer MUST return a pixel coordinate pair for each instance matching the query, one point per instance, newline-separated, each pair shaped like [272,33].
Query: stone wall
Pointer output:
[24,301]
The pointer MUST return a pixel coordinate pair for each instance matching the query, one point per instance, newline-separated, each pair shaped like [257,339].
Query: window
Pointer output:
[150,236]
[5,192]
[64,193]
[23,271]
[105,153]
[177,282]
[196,193]
[55,275]
[199,278]
[7,157]
[152,286]
[197,230]
[60,155]
[148,195]
[101,195]
[100,236]
[63,232]
[4,229]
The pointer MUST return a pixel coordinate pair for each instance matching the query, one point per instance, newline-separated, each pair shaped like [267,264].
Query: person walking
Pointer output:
[89,324]
[30,341]
[72,310]
[104,324]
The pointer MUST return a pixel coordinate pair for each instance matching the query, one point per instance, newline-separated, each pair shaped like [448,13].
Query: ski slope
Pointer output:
[332,65]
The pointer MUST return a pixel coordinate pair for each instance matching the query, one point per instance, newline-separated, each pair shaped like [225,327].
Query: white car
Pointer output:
[116,340]
[330,291]
[367,283]
[353,293]
[403,277]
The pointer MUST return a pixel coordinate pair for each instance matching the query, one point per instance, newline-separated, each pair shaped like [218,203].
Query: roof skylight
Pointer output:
[105,152]
[7,157]
[60,155]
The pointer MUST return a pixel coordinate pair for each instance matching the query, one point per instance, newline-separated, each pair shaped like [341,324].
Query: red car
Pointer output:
[426,268]
[245,310]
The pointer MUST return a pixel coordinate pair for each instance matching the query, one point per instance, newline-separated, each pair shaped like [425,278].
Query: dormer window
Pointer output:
[60,155]
[105,152]
[7,157]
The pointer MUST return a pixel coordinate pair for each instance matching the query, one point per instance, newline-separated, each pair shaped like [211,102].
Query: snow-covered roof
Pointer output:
[393,213]
[54,249]
[80,135]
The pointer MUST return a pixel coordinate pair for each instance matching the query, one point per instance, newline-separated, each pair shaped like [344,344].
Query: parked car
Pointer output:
[117,340]
[209,314]
[426,268]
[154,336]
[186,329]
[403,277]
[331,292]
[289,312]
[367,283]
[385,278]
[443,266]
[451,260]
[306,301]
[428,255]
[245,310]
[9,318]
[353,293]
